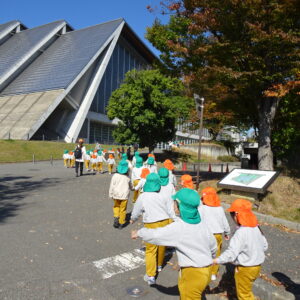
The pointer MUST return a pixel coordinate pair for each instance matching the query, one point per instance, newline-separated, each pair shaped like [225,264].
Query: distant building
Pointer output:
[55,82]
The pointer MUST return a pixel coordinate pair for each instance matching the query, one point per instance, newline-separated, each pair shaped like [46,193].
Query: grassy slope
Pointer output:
[20,151]
[282,199]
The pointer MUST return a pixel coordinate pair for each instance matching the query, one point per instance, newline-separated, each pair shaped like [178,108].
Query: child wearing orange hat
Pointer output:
[246,248]
[94,160]
[145,172]
[71,159]
[110,163]
[187,181]
[170,166]
[214,216]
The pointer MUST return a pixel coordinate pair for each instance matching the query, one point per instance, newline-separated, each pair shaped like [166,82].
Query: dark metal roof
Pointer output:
[59,65]
[22,45]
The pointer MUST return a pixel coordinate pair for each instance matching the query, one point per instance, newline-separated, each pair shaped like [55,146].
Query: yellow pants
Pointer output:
[193,281]
[219,240]
[154,254]
[72,163]
[66,163]
[135,193]
[119,210]
[94,166]
[110,168]
[100,167]
[244,278]
[87,164]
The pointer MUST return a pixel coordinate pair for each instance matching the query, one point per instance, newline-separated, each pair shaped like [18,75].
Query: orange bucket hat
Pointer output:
[169,165]
[151,155]
[210,197]
[145,172]
[243,211]
[94,156]
[110,156]
[187,181]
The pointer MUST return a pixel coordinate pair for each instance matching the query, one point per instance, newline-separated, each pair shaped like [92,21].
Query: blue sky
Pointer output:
[81,13]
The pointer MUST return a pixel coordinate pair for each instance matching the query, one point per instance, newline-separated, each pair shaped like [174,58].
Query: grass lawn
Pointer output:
[22,151]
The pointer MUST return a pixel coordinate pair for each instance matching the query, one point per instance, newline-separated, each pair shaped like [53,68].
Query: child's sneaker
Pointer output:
[116,223]
[213,277]
[149,279]
[159,268]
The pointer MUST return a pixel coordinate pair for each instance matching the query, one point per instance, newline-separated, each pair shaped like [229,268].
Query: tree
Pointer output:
[238,54]
[148,105]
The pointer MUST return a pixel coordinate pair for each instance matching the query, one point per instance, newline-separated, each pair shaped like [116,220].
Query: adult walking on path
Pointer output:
[79,154]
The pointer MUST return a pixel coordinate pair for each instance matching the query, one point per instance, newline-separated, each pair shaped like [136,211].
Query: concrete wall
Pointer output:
[209,150]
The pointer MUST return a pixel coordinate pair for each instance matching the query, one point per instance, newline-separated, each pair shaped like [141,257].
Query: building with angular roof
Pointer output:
[56,81]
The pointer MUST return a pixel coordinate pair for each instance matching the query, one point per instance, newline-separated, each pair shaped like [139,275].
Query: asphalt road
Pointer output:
[53,227]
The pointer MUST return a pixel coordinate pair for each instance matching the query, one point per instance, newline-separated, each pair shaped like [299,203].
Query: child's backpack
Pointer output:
[78,153]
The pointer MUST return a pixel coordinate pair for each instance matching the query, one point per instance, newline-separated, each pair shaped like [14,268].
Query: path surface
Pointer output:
[57,240]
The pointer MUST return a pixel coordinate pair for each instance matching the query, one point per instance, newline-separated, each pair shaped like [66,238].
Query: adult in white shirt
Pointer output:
[80,153]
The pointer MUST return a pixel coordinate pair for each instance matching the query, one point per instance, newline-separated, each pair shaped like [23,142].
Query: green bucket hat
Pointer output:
[139,162]
[122,167]
[152,183]
[124,156]
[66,151]
[136,154]
[188,201]
[150,161]
[164,176]
[100,152]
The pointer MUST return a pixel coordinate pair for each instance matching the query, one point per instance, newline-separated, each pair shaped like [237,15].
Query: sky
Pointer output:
[82,13]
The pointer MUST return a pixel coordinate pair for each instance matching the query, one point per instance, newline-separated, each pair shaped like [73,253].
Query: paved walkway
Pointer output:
[57,241]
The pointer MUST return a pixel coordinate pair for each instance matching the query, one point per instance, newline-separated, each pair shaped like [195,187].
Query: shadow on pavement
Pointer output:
[16,188]
[226,284]
[290,285]
[173,290]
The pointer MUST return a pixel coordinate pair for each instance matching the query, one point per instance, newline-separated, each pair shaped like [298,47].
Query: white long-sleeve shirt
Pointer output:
[111,161]
[172,178]
[215,219]
[195,244]
[136,174]
[119,187]
[166,193]
[101,158]
[152,168]
[141,184]
[246,248]
[152,206]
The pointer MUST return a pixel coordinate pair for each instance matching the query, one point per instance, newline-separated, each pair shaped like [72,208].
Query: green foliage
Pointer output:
[148,105]
[235,53]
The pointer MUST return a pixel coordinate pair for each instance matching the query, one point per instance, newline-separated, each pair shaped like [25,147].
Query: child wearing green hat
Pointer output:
[119,191]
[136,154]
[195,244]
[87,159]
[167,191]
[155,214]
[125,157]
[136,176]
[150,164]
[66,158]
[100,161]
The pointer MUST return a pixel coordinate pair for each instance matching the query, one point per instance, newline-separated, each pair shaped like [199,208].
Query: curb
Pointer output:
[272,220]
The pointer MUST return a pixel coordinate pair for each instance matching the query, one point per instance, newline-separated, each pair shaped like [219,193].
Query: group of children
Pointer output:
[194,226]
[93,160]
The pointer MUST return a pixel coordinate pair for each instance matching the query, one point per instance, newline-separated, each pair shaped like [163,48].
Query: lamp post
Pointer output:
[199,108]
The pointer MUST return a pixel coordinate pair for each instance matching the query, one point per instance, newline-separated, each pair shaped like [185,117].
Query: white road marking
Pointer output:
[121,263]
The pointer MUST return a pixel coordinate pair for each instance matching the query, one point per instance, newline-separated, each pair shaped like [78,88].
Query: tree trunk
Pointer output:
[151,148]
[267,111]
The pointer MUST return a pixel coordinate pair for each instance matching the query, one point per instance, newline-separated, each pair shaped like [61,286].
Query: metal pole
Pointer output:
[200,140]
[51,160]
[33,158]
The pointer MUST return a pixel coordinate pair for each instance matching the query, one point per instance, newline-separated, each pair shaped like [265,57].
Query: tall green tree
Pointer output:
[148,105]
[238,54]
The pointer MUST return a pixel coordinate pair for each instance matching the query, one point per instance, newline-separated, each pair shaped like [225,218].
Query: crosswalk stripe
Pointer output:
[121,263]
